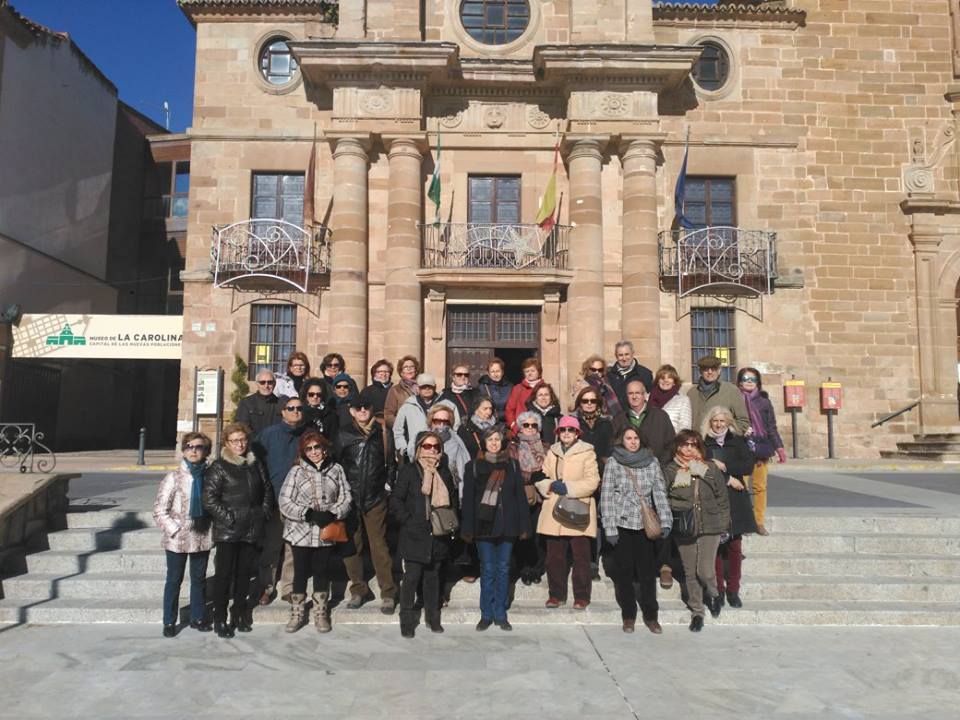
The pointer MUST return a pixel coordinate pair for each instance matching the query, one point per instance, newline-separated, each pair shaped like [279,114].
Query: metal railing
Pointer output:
[494,246]
[22,448]
[723,259]
[896,413]
[268,254]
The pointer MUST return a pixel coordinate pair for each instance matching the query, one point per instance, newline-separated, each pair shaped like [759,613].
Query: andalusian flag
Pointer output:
[434,191]
[548,206]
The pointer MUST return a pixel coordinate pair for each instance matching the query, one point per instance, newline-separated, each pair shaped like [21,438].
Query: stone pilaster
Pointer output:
[404,326]
[585,294]
[640,305]
[348,259]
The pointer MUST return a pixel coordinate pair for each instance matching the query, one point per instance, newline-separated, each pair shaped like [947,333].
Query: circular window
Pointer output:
[712,70]
[495,22]
[277,64]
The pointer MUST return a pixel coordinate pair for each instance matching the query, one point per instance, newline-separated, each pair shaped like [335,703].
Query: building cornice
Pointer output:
[323,10]
[332,62]
[760,14]
[657,67]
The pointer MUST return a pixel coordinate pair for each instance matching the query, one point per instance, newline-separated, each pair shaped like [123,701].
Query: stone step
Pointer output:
[93,586]
[90,540]
[106,519]
[938,437]
[672,613]
[920,454]
[796,544]
[862,525]
[133,562]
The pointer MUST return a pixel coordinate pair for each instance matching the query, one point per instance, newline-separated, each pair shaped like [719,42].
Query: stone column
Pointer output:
[640,306]
[348,297]
[585,294]
[404,326]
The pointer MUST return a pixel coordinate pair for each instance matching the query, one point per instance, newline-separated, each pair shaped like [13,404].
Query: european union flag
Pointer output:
[681,189]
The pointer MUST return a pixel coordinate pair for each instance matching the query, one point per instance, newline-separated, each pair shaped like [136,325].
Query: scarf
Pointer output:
[589,418]
[298,382]
[409,385]
[444,433]
[424,404]
[491,493]
[493,458]
[719,437]
[432,484]
[481,424]
[708,390]
[624,371]
[530,454]
[542,410]
[687,471]
[639,459]
[752,400]
[196,489]
[367,427]
[660,397]
[457,389]
[533,384]
[607,394]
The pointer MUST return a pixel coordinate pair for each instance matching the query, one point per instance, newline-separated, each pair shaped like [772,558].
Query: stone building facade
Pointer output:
[820,133]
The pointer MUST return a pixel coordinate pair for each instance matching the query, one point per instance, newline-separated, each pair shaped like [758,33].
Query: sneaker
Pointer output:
[388,606]
[666,577]
[554,603]
[580,604]
[357,601]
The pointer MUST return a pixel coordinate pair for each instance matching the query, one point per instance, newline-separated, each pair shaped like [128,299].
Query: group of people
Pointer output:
[490,481]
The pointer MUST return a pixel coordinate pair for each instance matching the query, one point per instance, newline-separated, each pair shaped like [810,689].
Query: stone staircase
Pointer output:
[939,447]
[107,567]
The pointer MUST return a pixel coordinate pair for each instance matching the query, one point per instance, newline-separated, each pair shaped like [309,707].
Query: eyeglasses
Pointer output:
[237,441]
[266,382]
[384,371]
[194,448]
[461,374]
[588,401]
[314,448]
[430,446]
[294,408]
[689,444]
[333,364]
[530,425]
[316,394]
[441,421]
[748,378]
[342,386]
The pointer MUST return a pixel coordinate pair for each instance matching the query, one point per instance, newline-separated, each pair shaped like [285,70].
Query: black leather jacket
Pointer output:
[368,464]
[239,497]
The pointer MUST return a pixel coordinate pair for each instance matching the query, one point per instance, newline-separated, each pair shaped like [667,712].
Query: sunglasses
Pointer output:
[566,430]
[597,369]
[341,387]
[748,378]
[530,425]
[441,421]
[316,394]
[266,382]
[333,364]
[194,448]
[461,374]
[588,401]
[294,408]
[688,444]
[314,448]
[430,446]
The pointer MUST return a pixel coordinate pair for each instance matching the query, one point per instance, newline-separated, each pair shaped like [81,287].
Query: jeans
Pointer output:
[234,562]
[176,566]
[494,577]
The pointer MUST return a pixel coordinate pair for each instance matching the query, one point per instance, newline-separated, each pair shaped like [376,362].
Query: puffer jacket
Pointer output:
[237,494]
[578,470]
[498,391]
[368,463]
[307,487]
[171,512]
[714,503]
[408,506]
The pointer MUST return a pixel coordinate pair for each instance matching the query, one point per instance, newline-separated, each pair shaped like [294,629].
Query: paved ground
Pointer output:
[560,673]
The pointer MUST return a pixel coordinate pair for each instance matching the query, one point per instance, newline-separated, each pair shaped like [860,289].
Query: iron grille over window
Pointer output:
[712,332]
[495,22]
[711,71]
[277,64]
[273,336]
[503,327]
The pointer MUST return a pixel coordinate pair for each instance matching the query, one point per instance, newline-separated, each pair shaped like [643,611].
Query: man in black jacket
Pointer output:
[261,409]
[367,459]
[625,369]
[652,423]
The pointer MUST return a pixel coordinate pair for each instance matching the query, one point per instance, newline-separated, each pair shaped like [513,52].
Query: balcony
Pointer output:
[718,261]
[483,246]
[267,255]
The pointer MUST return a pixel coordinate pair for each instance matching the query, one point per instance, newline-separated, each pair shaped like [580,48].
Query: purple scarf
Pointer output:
[752,400]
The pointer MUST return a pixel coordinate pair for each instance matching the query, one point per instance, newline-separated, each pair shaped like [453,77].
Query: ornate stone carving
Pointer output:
[537,118]
[614,104]
[918,174]
[451,117]
[376,102]
[494,116]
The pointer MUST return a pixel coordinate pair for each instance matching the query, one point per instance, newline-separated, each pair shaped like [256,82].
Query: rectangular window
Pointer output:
[278,196]
[712,332]
[494,199]
[710,201]
[273,336]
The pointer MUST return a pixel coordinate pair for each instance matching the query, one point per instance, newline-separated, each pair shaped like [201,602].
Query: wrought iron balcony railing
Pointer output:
[268,255]
[22,448]
[718,260]
[494,246]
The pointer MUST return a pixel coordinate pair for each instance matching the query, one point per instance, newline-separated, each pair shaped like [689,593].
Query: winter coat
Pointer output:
[600,436]
[736,455]
[354,390]
[323,418]
[396,396]
[578,470]
[517,402]
[463,401]
[239,497]
[769,419]
[728,396]
[512,516]
[412,420]
[278,449]
[171,512]
[498,391]
[714,502]
[307,487]
[376,393]
[260,411]
[656,431]
[548,421]
[409,507]
[678,408]
[619,383]
[471,436]
[368,463]
[620,501]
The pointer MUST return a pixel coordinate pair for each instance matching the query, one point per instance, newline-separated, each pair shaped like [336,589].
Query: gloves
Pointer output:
[613,539]
[310,516]
[319,517]
[665,533]
[558,487]
[781,455]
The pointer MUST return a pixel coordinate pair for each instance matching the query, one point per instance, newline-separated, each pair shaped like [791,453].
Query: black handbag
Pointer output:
[685,521]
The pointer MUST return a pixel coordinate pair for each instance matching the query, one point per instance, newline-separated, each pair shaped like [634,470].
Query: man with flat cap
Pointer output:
[711,392]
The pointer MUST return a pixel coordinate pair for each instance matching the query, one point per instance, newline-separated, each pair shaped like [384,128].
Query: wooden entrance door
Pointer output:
[477,333]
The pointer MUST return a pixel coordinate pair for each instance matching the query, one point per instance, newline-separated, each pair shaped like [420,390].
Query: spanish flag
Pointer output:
[548,206]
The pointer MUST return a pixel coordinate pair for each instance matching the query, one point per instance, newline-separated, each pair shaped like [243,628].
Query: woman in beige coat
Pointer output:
[571,470]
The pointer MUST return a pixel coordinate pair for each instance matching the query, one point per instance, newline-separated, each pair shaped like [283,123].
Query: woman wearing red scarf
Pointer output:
[765,439]
[523,391]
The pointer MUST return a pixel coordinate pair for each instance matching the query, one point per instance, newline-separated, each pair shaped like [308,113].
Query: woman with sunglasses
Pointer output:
[593,373]
[178,512]
[343,394]
[460,393]
[631,479]
[571,470]
[314,495]
[697,493]
[764,437]
[408,367]
[238,495]
[332,365]
[546,405]
[529,451]
[666,395]
[482,417]
[422,486]
[290,383]
[595,427]
[319,412]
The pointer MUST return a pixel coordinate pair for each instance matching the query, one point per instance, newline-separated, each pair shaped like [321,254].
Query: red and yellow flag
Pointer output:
[548,206]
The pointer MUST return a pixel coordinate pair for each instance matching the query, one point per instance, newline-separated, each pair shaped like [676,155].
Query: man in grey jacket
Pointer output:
[711,392]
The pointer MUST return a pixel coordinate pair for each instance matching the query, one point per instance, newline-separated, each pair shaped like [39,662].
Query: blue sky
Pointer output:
[145,47]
